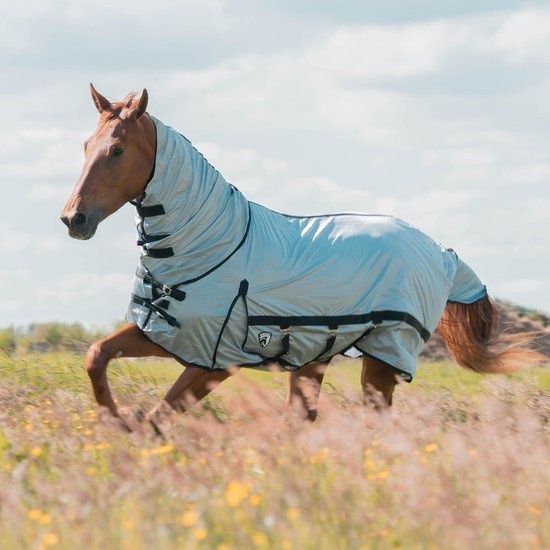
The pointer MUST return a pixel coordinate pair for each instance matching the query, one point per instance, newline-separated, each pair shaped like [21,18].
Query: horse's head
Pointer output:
[119,158]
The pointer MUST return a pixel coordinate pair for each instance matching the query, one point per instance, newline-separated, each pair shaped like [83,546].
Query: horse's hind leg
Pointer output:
[304,390]
[378,382]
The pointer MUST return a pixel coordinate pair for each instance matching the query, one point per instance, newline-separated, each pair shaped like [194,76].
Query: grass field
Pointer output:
[461,461]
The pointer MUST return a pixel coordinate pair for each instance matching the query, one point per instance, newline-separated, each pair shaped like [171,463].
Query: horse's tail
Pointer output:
[472,335]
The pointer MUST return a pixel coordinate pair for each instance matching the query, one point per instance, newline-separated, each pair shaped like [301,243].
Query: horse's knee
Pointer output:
[97,358]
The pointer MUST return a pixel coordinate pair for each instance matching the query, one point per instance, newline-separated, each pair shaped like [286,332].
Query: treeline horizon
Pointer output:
[50,336]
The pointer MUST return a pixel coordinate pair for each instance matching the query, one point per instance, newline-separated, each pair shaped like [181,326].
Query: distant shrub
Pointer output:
[8,342]
[45,337]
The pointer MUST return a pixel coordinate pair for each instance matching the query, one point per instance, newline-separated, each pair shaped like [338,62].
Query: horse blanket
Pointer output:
[222,281]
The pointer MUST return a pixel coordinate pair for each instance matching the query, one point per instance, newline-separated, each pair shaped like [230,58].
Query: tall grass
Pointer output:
[460,462]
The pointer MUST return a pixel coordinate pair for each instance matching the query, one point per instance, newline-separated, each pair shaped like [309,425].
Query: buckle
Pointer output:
[166,290]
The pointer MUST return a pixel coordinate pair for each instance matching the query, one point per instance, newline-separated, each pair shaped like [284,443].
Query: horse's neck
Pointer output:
[206,216]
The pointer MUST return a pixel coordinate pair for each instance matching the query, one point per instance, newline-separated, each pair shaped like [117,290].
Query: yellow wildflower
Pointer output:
[35,514]
[189,518]
[50,539]
[162,450]
[293,514]
[370,464]
[431,447]
[255,500]
[235,493]
[36,451]
[200,534]
[45,519]
[259,539]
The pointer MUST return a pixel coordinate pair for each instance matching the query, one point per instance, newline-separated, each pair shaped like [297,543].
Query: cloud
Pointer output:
[524,36]
[529,291]
[79,287]
[46,192]
[16,242]
[49,154]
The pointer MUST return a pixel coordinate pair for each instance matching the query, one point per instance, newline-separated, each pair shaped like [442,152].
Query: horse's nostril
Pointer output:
[78,220]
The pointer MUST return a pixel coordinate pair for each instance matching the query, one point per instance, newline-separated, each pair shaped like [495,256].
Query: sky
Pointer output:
[435,112]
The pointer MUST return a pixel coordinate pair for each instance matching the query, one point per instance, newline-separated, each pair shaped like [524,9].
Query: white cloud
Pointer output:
[524,36]
[40,154]
[79,287]
[19,242]
[528,288]
[46,192]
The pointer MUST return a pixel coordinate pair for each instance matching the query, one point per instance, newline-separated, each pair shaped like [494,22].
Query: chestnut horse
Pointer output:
[119,163]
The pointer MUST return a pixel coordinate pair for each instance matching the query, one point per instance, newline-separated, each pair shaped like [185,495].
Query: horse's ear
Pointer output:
[142,105]
[101,103]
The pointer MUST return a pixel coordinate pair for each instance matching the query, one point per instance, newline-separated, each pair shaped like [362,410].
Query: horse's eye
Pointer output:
[117,151]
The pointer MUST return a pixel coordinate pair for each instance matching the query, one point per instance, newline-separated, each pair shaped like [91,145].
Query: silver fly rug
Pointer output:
[222,281]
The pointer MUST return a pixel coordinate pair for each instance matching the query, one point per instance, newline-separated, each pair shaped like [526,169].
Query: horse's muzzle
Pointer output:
[80,225]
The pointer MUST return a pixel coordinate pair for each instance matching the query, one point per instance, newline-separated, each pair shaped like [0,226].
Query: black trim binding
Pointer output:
[150,211]
[243,289]
[470,303]
[219,264]
[154,306]
[375,317]
[159,252]
[186,363]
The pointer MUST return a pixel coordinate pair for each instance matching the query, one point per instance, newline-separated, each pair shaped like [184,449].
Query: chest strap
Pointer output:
[162,289]
[150,211]
[159,252]
[154,306]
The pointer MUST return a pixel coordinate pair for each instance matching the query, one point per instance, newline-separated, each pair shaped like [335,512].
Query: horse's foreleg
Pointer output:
[304,390]
[378,382]
[192,385]
[129,341]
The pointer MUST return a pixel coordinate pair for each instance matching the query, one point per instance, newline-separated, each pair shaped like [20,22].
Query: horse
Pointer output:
[223,283]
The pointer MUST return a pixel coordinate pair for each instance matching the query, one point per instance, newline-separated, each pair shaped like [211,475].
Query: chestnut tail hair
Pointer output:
[472,337]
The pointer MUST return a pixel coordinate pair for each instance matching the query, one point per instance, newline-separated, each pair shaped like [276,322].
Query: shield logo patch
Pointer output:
[264,338]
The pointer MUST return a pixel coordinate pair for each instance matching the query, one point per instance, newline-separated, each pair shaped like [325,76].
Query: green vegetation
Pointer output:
[46,337]
[460,462]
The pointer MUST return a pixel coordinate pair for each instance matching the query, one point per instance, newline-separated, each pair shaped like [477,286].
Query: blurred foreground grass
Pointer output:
[461,461]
